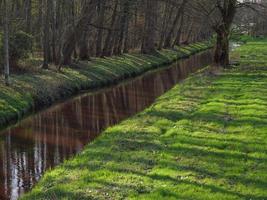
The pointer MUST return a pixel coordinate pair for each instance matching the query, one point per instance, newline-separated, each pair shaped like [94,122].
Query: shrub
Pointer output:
[20,45]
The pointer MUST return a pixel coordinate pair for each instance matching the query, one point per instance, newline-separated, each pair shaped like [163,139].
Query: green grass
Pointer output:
[204,139]
[40,88]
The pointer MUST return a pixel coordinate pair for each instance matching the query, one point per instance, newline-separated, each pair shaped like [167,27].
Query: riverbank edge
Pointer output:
[32,92]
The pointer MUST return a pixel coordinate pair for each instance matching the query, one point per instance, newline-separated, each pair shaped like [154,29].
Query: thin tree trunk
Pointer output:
[6,43]
[190,29]
[126,37]
[108,42]
[179,32]
[164,23]
[72,18]
[46,40]
[54,33]
[148,44]
[40,23]
[29,16]
[101,18]
[168,41]
[83,46]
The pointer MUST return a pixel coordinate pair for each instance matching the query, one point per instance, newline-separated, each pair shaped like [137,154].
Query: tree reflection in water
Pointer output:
[44,140]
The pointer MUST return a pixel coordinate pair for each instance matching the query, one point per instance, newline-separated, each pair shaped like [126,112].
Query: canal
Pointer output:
[45,139]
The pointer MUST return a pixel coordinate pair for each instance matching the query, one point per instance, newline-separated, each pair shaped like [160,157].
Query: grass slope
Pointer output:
[44,87]
[204,139]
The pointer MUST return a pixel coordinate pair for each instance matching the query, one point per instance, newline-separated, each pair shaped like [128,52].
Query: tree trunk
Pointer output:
[40,23]
[6,43]
[189,32]
[221,55]
[123,26]
[29,16]
[54,33]
[46,40]
[126,39]
[168,41]
[169,36]
[149,38]
[228,11]
[100,23]
[179,32]
[107,50]
[70,38]
[83,46]
[164,23]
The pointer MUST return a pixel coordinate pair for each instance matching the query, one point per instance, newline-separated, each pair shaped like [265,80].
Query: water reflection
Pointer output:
[47,138]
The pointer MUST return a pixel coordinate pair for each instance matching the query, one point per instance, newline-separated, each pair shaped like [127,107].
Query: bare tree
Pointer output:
[220,14]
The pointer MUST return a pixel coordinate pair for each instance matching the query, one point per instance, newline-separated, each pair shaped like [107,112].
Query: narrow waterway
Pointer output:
[45,139]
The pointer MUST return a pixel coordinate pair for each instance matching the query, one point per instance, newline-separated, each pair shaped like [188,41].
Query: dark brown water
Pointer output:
[45,139]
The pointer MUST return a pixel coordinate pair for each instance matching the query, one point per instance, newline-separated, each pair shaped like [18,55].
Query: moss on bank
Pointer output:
[204,139]
[33,90]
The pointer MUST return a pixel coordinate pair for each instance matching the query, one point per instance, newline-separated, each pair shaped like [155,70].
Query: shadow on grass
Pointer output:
[191,144]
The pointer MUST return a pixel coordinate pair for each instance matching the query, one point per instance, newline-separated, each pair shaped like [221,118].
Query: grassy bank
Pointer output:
[33,90]
[204,139]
